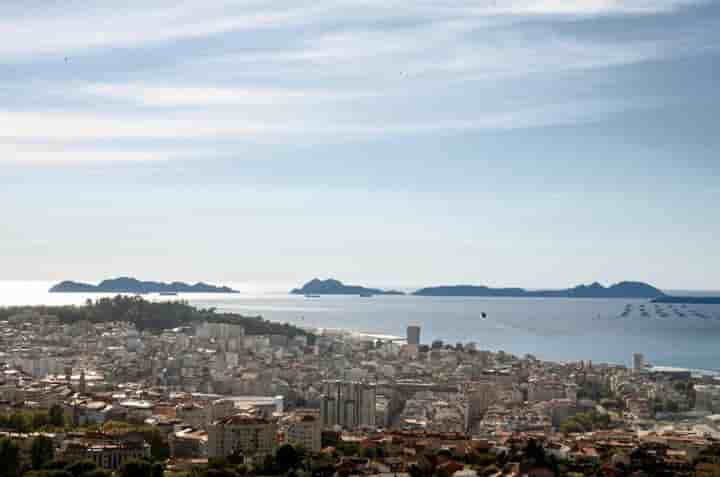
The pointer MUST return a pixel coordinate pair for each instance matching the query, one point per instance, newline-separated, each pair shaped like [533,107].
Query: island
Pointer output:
[336,287]
[138,287]
[689,300]
[594,290]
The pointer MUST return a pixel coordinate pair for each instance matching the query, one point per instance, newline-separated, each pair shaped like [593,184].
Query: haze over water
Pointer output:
[554,329]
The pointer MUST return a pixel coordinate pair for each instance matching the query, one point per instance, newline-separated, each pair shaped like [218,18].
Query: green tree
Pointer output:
[19,422]
[39,420]
[286,458]
[268,466]
[136,468]
[98,473]
[159,448]
[9,458]
[57,416]
[81,467]
[42,451]
[157,470]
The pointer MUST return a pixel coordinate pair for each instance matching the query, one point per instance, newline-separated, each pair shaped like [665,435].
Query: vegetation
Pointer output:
[141,468]
[153,315]
[10,463]
[664,406]
[585,422]
[42,452]
[34,421]
[286,458]
[594,391]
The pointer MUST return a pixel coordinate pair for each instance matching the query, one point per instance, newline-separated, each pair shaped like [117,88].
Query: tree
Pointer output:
[9,458]
[57,416]
[42,452]
[286,458]
[19,422]
[98,473]
[40,420]
[136,468]
[81,467]
[159,448]
[157,470]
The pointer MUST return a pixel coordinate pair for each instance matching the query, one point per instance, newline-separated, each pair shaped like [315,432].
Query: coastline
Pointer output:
[553,329]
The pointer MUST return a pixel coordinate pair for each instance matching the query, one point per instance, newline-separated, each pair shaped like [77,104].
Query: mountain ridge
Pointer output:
[331,286]
[133,285]
[624,289]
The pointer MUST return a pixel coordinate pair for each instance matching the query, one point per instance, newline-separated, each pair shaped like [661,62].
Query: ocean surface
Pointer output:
[601,330]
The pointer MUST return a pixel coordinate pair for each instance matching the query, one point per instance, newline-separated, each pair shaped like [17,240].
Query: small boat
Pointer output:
[168,293]
[312,296]
[366,295]
[484,315]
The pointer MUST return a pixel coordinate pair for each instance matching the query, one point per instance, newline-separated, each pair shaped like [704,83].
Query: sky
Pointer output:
[535,143]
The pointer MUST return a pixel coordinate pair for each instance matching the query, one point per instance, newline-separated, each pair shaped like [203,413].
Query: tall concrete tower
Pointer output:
[348,404]
[413,335]
[638,362]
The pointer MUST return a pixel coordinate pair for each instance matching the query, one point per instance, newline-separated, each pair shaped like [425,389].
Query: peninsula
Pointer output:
[132,285]
[336,287]
[595,290]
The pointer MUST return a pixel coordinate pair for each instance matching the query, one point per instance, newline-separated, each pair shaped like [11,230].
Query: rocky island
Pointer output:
[336,287]
[132,285]
[595,290]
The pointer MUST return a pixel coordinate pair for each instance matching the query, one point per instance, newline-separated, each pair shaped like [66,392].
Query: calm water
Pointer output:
[557,329]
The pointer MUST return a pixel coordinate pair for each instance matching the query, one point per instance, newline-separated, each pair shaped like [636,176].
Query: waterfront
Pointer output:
[554,329]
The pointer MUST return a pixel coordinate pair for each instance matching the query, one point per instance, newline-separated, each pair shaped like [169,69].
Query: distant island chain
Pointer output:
[317,287]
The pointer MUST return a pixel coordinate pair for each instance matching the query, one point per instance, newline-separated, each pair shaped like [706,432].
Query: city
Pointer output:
[211,394]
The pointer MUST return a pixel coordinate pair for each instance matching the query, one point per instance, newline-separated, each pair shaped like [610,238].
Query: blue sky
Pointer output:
[516,142]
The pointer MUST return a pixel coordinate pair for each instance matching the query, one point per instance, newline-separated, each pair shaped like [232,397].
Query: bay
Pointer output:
[549,328]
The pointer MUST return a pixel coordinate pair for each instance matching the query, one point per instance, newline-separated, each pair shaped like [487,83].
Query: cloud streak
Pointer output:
[332,71]
[75,27]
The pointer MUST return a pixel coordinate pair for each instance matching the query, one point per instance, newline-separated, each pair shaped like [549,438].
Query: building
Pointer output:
[106,452]
[199,417]
[304,429]
[638,362]
[188,443]
[413,335]
[348,404]
[250,436]
[707,397]
[479,400]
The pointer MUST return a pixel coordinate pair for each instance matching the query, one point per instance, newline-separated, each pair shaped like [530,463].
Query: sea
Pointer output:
[557,329]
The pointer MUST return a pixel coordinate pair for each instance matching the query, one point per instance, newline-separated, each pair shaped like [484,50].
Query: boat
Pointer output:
[312,296]
[366,295]
[168,293]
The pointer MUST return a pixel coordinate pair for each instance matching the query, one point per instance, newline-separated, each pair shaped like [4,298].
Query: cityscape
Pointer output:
[359,238]
[210,395]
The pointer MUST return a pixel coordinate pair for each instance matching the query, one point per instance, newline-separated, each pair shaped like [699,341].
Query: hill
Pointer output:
[595,290]
[148,315]
[336,287]
[138,287]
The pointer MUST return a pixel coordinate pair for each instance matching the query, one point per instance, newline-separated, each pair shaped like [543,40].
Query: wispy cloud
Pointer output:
[68,27]
[148,94]
[328,71]
[55,137]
